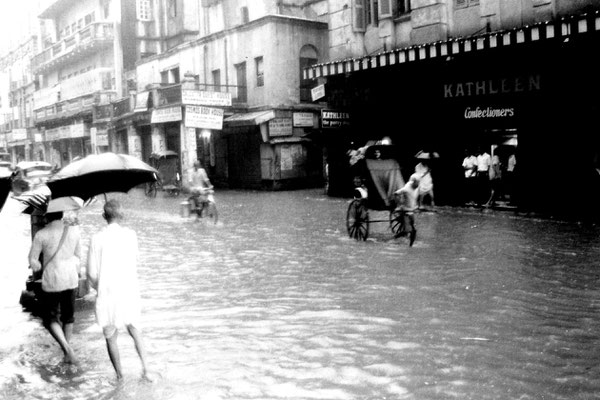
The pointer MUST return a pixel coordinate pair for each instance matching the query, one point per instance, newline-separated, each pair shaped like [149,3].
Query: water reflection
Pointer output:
[276,302]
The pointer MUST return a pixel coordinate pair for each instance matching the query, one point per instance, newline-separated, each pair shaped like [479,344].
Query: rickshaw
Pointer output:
[169,179]
[377,177]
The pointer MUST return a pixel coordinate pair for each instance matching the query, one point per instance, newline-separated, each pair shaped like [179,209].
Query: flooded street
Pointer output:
[276,302]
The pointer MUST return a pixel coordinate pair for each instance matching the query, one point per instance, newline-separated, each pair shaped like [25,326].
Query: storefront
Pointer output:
[526,96]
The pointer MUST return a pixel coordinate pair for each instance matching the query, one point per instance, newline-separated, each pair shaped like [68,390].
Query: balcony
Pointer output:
[90,39]
[74,95]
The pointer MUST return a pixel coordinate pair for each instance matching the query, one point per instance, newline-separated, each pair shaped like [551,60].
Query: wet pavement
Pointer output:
[276,302]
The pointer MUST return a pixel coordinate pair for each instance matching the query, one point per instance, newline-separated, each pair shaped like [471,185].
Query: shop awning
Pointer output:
[251,118]
[559,29]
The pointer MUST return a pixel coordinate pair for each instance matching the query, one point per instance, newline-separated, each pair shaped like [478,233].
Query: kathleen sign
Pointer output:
[167,114]
[203,117]
[202,98]
[334,119]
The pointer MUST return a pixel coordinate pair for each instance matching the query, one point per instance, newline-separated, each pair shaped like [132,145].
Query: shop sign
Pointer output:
[102,138]
[168,114]
[203,117]
[37,138]
[52,134]
[303,119]
[280,127]
[18,134]
[317,92]
[205,98]
[334,119]
[487,87]
[489,112]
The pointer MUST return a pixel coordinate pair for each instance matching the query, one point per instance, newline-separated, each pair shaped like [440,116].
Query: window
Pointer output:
[242,93]
[466,3]
[308,57]
[385,8]
[244,14]
[106,8]
[403,7]
[144,10]
[175,75]
[169,76]
[89,18]
[164,77]
[358,15]
[216,79]
[172,8]
[260,74]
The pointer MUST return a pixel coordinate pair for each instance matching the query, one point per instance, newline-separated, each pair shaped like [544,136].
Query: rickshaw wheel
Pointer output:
[397,222]
[357,220]
[210,211]
[150,189]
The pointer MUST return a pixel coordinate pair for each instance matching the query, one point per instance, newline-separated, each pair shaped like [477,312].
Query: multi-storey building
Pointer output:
[18,134]
[221,81]
[511,77]
[84,48]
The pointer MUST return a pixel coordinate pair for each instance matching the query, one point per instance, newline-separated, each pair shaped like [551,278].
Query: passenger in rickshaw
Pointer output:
[201,188]
[407,203]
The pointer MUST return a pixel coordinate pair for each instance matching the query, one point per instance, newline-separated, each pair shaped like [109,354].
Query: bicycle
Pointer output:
[203,205]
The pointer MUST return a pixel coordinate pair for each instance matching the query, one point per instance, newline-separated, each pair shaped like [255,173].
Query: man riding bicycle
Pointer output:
[200,186]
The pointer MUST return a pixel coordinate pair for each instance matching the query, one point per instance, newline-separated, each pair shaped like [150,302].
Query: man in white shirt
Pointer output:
[470,168]
[112,271]
[60,247]
[484,161]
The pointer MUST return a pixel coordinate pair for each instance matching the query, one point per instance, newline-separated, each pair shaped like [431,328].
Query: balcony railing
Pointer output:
[95,32]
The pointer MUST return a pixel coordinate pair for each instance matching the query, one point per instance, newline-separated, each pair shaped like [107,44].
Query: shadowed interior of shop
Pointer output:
[536,101]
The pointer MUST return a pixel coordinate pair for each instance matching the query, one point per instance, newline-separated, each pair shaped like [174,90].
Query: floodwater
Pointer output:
[276,302]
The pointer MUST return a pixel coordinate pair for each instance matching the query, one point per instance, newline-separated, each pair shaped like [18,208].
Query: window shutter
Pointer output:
[385,8]
[359,15]
[461,3]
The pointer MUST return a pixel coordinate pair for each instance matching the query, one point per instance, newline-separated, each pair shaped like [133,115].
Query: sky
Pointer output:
[16,17]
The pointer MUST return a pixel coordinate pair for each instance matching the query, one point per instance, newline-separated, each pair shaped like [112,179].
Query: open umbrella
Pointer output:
[100,173]
[5,186]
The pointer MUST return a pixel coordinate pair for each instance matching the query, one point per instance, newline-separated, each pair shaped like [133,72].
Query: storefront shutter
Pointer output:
[359,15]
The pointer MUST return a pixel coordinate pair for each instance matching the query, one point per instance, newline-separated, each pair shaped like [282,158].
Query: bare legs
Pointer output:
[113,351]
[62,334]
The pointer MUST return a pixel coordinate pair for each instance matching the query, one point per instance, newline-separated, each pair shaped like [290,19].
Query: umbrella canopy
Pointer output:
[100,173]
[36,200]
[5,187]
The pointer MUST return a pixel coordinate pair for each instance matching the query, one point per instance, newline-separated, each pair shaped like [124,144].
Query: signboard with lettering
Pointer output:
[318,92]
[203,117]
[489,112]
[303,119]
[204,98]
[168,114]
[334,119]
[280,127]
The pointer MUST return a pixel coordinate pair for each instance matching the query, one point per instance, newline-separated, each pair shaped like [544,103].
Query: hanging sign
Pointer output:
[167,114]
[204,98]
[203,117]
[317,92]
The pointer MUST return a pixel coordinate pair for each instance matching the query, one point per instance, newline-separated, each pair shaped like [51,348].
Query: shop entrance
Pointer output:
[502,146]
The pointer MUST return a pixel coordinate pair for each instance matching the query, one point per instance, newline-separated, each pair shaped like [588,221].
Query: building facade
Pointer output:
[513,78]
[213,85]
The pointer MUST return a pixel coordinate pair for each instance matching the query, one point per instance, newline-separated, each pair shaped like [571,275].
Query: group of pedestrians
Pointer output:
[111,270]
[486,177]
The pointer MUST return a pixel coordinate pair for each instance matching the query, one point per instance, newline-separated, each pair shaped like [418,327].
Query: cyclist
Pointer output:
[200,185]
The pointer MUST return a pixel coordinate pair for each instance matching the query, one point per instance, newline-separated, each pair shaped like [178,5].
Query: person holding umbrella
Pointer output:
[60,247]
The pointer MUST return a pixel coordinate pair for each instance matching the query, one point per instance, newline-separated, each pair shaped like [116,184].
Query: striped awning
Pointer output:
[559,29]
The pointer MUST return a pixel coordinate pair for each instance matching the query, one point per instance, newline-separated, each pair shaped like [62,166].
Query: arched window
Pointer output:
[308,56]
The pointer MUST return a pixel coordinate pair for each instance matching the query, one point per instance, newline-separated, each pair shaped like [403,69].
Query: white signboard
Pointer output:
[317,92]
[203,117]
[203,98]
[19,134]
[303,119]
[280,127]
[167,114]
